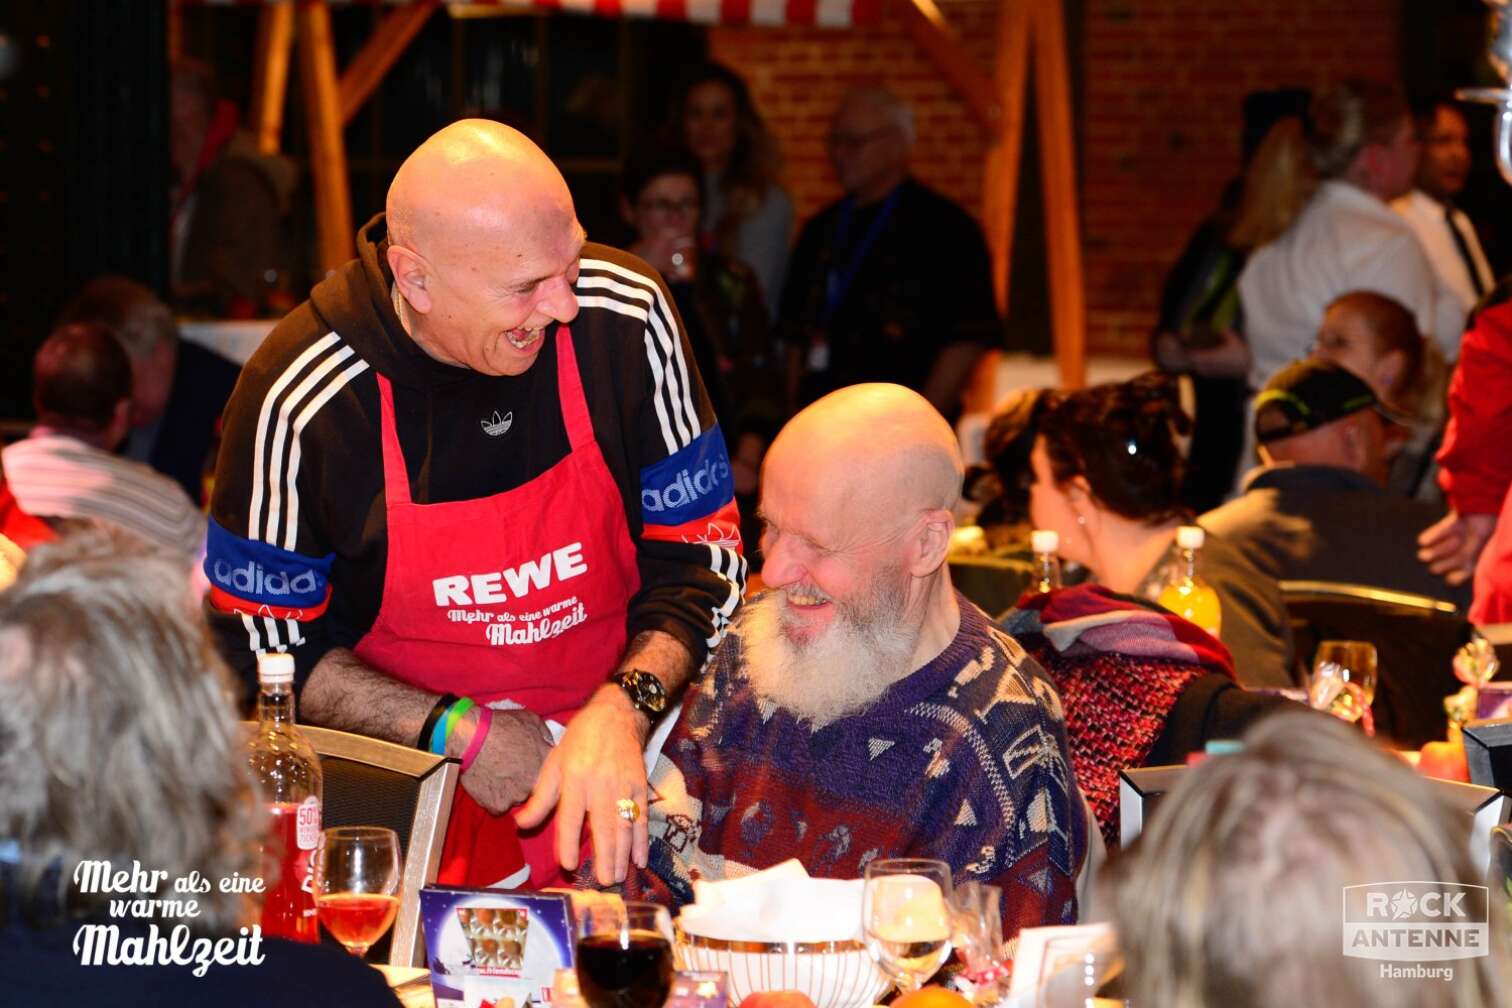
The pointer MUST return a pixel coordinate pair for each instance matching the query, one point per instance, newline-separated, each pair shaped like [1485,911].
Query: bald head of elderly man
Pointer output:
[861,708]
[457,510]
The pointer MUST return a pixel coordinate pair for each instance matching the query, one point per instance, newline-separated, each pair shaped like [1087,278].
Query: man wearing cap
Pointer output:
[1317,507]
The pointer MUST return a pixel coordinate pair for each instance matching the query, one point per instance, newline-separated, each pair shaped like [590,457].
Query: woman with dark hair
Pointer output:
[747,213]
[1107,471]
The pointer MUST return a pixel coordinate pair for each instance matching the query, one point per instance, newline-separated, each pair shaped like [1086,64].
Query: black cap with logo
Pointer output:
[1307,394]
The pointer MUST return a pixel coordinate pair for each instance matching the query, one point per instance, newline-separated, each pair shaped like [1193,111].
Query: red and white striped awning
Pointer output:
[771,13]
[820,13]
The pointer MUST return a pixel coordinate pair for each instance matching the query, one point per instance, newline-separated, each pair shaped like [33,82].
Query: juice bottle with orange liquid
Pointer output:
[288,777]
[1185,593]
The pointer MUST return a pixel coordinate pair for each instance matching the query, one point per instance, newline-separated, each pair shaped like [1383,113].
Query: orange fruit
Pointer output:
[777,999]
[932,997]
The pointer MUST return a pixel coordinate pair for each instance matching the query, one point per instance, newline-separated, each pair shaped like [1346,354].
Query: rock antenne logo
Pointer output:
[1403,904]
[497,425]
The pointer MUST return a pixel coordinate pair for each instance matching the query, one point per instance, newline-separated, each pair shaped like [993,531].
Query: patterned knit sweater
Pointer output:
[964,760]
[1119,665]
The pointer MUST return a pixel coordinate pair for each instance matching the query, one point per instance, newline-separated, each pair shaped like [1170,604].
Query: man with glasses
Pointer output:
[892,282]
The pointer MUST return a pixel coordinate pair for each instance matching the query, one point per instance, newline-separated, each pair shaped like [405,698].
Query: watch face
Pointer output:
[645,690]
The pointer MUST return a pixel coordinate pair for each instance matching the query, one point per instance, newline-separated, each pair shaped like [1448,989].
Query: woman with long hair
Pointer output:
[1200,330]
[747,213]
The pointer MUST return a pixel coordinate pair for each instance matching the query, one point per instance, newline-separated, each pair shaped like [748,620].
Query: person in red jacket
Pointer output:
[1476,469]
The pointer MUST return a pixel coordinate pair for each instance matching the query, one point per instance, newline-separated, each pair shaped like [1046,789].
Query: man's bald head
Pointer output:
[883,447]
[483,246]
[469,182]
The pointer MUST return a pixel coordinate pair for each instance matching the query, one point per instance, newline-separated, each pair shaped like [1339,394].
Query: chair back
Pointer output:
[369,782]
[1415,638]
[1141,788]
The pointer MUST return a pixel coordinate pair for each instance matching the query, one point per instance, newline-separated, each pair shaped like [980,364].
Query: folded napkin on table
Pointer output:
[780,904]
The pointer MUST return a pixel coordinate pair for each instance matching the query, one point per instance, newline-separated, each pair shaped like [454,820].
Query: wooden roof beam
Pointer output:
[387,43]
[940,42]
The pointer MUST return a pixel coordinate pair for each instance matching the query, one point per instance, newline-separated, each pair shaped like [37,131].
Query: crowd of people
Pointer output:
[529,492]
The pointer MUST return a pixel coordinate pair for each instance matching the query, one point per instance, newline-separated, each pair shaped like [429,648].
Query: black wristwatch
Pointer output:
[644,690]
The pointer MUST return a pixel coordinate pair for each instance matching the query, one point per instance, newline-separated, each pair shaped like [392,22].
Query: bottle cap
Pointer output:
[275,668]
[1190,537]
[1044,541]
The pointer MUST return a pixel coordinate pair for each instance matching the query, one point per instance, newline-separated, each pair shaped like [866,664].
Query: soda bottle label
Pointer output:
[307,830]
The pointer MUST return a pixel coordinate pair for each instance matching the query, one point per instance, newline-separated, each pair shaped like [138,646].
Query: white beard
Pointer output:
[844,670]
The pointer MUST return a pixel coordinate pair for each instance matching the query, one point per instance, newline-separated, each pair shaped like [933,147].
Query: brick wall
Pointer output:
[1161,86]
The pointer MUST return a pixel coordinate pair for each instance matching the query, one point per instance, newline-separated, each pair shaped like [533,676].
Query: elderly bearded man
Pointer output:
[862,708]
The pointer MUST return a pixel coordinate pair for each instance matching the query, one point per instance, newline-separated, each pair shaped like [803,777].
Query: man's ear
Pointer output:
[931,541]
[627,214]
[411,276]
[119,425]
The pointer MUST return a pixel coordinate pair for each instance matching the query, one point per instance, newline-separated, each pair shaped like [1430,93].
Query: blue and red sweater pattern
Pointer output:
[964,760]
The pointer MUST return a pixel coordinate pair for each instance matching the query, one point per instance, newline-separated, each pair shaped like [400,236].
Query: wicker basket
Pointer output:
[838,974]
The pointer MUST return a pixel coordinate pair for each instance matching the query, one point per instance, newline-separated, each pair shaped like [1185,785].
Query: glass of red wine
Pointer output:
[624,954]
[356,880]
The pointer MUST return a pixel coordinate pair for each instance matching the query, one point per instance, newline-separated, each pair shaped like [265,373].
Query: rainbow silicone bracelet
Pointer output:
[485,722]
[445,725]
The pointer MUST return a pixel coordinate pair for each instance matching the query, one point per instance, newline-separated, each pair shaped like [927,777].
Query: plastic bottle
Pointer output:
[288,776]
[1185,593]
[1047,570]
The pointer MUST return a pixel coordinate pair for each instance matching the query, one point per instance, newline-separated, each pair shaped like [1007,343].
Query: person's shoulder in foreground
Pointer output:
[45,968]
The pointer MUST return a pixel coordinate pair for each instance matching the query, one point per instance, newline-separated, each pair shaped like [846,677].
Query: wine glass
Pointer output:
[624,954]
[1343,679]
[356,880]
[906,919]
[1073,971]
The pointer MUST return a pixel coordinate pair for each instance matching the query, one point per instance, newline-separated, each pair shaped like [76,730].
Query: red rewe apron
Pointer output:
[520,596]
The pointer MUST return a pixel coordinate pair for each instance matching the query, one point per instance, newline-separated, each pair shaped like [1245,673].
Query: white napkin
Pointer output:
[780,904]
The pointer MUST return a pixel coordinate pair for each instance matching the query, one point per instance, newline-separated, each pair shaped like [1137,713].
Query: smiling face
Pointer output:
[489,312]
[667,208]
[824,563]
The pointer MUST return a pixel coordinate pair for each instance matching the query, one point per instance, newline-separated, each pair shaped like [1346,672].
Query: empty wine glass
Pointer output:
[1343,679]
[906,918]
[356,881]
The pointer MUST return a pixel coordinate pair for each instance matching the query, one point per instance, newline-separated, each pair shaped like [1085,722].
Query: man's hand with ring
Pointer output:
[598,772]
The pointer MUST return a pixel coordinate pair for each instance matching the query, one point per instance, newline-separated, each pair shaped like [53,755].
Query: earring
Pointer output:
[1081,519]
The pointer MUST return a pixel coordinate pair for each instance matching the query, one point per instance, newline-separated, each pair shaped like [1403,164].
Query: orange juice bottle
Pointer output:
[1186,594]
